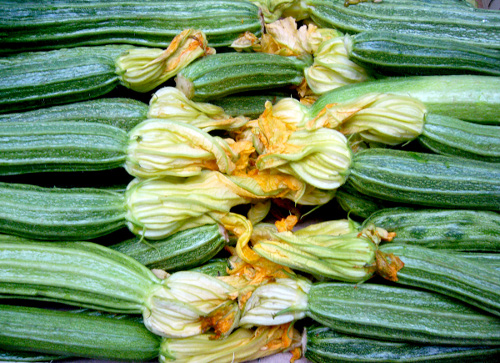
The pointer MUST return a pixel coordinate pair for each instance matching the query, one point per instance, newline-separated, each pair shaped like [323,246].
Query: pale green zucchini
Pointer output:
[426,179]
[326,345]
[450,229]
[28,26]
[448,274]
[384,312]
[451,136]
[490,260]
[467,97]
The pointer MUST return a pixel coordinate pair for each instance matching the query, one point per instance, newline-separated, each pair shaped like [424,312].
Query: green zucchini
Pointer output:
[326,345]
[76,333]
[378,311]
[29,26]
[22,356]
[466,97]
[394,53]
[219,75]
[450,229]
[124,113]
[489,260]
[450,136]
[249,104]
[426,179]
[183,250]
[215,267]
[448,274]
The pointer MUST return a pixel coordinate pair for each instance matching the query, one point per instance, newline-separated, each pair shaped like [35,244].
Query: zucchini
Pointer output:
[378,311]
[489,260]
[448,274]
[124,113]
[249,104]
[466,97]
[219,75]
[450,229]
[450,136]
[326,345]
[76,333]
[215,267]
[426,179]
[394,53]
[46,25]
[22,356]
[183,250]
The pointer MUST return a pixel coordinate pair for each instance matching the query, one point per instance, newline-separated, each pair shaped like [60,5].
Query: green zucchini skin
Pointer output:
[55,146]
[59,213]
[378,311]
[447,229]
[215,76]
[467,97]
[124,113]
[182,250]
[21,356]
[467,25]
[215,267]
[47,25]
[249,104]
[326,345]
[408,54]
[490,260]
[451,136]
[81,274]
[426,179]
[38,79]
[448,274]
[76,333]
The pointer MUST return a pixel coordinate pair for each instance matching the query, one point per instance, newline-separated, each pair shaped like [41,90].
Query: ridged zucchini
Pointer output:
[326,345]
[124,113]
[384,312]
[448,274]
[28,26]
[489,260]
[467,97]
[450,229]
[249,104]
[426,179]
[219,75]
[22,356]
[451,136]
[183,250]
[76,333]
[394,53]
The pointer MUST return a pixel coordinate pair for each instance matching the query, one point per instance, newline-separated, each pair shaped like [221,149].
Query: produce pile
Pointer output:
[221,181]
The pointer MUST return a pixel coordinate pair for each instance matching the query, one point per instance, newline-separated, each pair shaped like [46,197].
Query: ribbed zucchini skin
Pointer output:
[76,333]
[35,79]
[384,312]
[215,267]
[467,25]
[60,146]
[182,250]
[326,345]
[489,260]
[467,97]
[451,136]
[124,113]
[219,75]
[249,104]
[448,274]
[27,26]
[82,274]
[450,229]
[22,356]
[426,179]
[408,54]
[59,213]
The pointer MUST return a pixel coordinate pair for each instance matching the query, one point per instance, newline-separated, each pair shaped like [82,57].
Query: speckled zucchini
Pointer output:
[326,345]
[489,260]
[448,274]
[426,179]
[27,26]
[450,229]
[215,267]
[249,104]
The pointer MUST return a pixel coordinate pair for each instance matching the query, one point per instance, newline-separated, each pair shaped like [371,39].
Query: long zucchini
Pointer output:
[45,25]
[426,179]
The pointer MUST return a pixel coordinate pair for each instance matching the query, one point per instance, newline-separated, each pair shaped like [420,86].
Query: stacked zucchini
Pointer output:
[167,210]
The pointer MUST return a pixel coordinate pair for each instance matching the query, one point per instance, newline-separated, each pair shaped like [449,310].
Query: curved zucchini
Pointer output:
[450,136]
[450,229]
[448,274]
[29,26]
[384,312]
[426,179]
[219,75]
[326,345]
